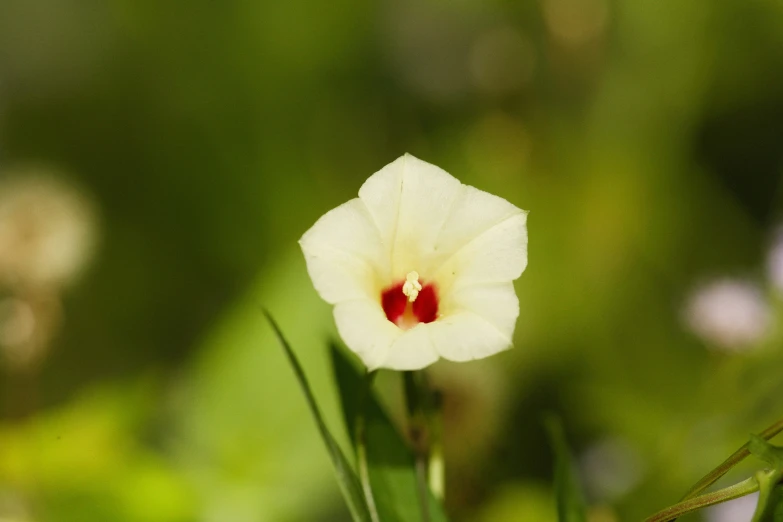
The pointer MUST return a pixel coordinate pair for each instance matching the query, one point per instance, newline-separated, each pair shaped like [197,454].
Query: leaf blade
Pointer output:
[571,506]
[390,461]
[346,478]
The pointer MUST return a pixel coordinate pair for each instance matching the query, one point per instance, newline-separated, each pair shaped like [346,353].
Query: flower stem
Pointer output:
[437,470]
[361,449]
[713,476]
[421,481]
[414,399]
[741,489]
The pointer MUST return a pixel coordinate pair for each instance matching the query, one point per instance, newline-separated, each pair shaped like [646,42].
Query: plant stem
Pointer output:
[741,489]
[361,450]
[421,481]
[437,467]
[414,399]
[713,476]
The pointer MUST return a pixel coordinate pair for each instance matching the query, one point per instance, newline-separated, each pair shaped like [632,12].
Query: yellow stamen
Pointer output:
[412,286]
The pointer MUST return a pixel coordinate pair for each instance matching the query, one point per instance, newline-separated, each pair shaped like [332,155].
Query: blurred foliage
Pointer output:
[644,137]
[568,491]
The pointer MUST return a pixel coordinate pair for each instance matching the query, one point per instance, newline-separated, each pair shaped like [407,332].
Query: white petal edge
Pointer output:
[366,331]
[496,303]
[378,342]
[344,254]
[381,195]
[466,336]
[473,213]
[499,254]
[413,350]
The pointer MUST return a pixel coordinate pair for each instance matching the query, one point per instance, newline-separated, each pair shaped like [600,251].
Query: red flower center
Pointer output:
[405,314]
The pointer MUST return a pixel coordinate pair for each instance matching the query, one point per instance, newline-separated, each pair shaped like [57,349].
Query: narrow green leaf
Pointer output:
[346,478]
[734,459]
[391,464]
[570,500]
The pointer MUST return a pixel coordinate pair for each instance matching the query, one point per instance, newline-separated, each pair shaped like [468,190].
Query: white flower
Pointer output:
[419,266]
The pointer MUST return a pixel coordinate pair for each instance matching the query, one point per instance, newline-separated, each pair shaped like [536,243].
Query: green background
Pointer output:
[645,137]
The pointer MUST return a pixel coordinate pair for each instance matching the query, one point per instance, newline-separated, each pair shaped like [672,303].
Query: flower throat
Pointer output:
[408,303]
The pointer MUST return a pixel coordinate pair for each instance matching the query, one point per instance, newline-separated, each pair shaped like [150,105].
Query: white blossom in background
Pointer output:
[47,237]
[737,510]
[729,314]
[27,326]
[47,230]
[419,267]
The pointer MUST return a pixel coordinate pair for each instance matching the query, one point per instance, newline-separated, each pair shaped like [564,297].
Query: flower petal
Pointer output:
[465,336]
[474,213]
[381,195]
[345,256]
[378,342]
[484,241]
[364,328]
[413,350]
[410,201]
[477,321]
[496,303]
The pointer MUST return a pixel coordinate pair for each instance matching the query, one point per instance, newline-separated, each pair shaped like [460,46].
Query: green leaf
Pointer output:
[346,478]
[570,500]
[390,461]
[770,505]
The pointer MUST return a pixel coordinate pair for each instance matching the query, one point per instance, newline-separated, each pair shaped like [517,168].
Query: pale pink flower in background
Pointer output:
[730,314]
[775,261]
[737,510]
[419,267]
[611,468]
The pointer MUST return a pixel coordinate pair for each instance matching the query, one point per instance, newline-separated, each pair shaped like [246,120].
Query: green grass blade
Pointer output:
[737,457]
[346,478]
[570,500]
[390,462]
